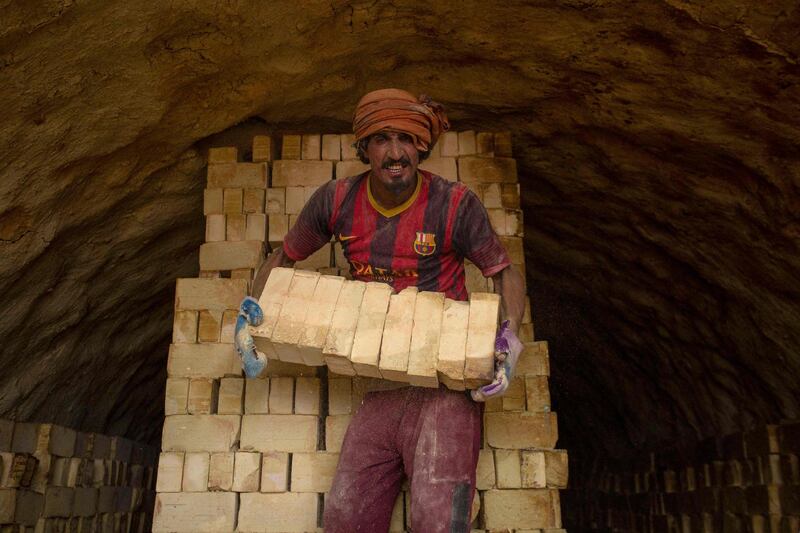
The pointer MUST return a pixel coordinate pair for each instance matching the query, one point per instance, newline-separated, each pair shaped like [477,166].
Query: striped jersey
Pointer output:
[422,242]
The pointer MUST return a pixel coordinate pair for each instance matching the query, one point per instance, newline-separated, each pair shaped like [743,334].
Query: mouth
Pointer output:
[395,169]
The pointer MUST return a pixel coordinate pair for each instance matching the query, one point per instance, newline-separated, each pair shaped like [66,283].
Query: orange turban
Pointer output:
[399,111]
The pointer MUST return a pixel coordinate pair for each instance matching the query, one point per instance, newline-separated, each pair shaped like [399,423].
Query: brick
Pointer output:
[331,147]
[197,433]
[220,471]
[212,202]
[514,398]
[199,512]
[398,511]
[502,144]
[170,472]
[232,201]
[492,196]
[313,472]
[339,341]
[534,360]
[425,339]
[209,294]
[215,228]
[308,192]
[510,196]
[271,302]
[514,222]
[530,508]
[513,246]
[287,511]
[202,361]
[441,166]
[231,396]
[247,472]
[339,395]
[281,395]
[396,341]
[245,176]
[231,255]
[311,145]
[276,201]
[316,326]
[262,148]
[58,501]
[537,391]
[475,281]
[291,146]
[8,505]
[29,508]
[202,396]
[365,353]
[184,327]
[256,396]
[319,259]
[345,169]
[43,439]
[225,154]
[101,447]
[228,329]
[335,428]
[448,144]
[209,326]
[556,468]
[474,170]
[484,143]
[256,227]
[484,309]
[467,143]
[253,201]
[295,200]
[516,430]
[348,150]
[275,472]
[301,173]
[85,501]
[235,227]
[453,344]
[534,471]
[307,396]
[281,433]
[277,228]
[485,474]
[292,316]
[507,465]
[195,472]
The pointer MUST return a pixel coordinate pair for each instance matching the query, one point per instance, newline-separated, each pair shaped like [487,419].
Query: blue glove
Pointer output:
[507,348]
[250,313]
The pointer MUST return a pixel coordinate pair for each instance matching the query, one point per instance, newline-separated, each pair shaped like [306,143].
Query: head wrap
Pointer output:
[398,111]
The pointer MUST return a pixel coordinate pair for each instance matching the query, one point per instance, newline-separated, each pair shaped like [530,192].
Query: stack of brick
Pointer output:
[747,481]
[54,478]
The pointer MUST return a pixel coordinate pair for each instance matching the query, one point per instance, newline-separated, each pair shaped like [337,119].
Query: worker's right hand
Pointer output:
[507,348]
[250,314]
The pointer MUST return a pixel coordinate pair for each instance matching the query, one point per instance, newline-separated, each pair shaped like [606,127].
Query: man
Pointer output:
[403,226]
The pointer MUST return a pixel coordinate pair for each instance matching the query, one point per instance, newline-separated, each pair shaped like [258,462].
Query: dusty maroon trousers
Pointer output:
[432,436]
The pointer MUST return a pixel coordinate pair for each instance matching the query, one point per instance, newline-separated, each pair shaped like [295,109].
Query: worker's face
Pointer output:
[394,159]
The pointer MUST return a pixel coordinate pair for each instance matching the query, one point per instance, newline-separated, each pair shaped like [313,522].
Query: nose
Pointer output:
[394,149]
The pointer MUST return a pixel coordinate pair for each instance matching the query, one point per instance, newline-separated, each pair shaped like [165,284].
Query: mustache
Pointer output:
[389,162]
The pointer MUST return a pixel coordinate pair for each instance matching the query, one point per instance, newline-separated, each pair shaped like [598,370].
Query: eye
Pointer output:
[405,138]
[379,138]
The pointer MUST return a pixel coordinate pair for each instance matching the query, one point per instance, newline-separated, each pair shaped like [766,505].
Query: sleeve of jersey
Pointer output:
[311,232]
[475,239]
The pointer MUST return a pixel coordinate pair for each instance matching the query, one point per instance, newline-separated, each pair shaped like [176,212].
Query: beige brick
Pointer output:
[8,504]
[313,472]
[502,144]
[176,396]
[231,255]
[228,329]
[396,341]
[474,169]
[311,146]
[534,360]
[247,472]
[262,148]
[485,474]
[514,398]
[514,222]
[308,192]
[307,398]
[497,218]
[369,329]
[319,259]
[197,433]
[281,394]
[348,150]
[271,301]
[331,147]
[287,511]
[530,508]
[256,229]
[224,154]
[453,344]
[29,509]
[275,472]
[170,472]
[339,395]
[235,227]
[510,195]
[335,428]
[484,142]
[441,166]
[517,430]
[537,391]
[232,201]
[425,335]
[474,279]
[507,466]
[212,202]
[58,501]
[231,396]
[209,326]
[467,143]
[295,200]
[280,433]
[184,327]
[202,396]
[301,173]
[484,309]
[209,294]
[195,472]
[316,325]
[291,147]
[525,333]
[448,144]
[43,439]
[276,201]
[396,522]
[290,322]
[339,342]
[513,246]
[492,196]
[215,228]
[202,361]
[278,227]
[534,473]
[220,471]
[345,169]
[199,512]
[556,468]
[256,396]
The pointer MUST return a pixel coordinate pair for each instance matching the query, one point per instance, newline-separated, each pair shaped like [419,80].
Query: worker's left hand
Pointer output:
[250,313]
[507,348]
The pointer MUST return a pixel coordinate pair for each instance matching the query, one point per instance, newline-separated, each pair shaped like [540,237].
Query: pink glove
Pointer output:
[507,348]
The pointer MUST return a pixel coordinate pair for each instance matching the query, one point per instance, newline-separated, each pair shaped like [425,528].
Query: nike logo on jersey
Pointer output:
[346,237]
